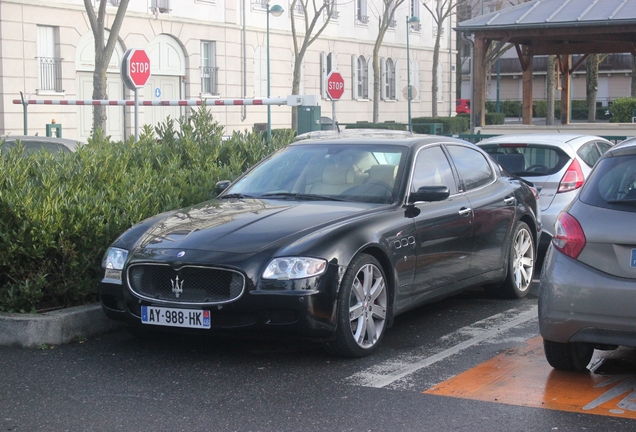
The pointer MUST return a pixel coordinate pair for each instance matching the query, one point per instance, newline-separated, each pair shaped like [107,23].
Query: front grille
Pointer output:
[188,284]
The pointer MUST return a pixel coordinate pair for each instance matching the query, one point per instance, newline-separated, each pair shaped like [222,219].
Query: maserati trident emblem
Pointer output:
[177,286]
[180,254]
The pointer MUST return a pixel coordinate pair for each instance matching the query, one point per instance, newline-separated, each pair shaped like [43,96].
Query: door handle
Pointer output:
[509,200]
[465,211]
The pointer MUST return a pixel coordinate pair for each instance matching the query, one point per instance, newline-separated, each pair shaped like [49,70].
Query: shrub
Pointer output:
[452,125]
[622,110]
[60,214]
[389,125]
[495,118]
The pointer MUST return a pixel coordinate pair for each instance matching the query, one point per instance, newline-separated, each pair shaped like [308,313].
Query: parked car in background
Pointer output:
[32,144]
[328,239]
[587,293]
[556,163]
[462,106]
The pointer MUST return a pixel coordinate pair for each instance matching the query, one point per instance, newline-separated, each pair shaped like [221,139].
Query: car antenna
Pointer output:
[337,127]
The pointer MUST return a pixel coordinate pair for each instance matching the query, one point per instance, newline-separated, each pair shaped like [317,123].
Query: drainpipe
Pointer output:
[244,55]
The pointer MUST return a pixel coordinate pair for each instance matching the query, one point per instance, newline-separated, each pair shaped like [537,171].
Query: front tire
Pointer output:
[572,356]
[362,309]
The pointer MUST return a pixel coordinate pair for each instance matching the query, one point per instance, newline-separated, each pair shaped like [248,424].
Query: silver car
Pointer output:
[587,293]
[557,164]
[32,144]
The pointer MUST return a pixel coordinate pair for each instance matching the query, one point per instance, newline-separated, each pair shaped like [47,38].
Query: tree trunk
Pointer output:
[633,76]
[549,116]
[591,86]
[435,83]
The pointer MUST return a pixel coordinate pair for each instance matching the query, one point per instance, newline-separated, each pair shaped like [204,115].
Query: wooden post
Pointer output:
[478,104]
[526,108]
[564,68]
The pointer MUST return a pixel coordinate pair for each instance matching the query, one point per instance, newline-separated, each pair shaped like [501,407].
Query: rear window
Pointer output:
[612,184]
[528,160]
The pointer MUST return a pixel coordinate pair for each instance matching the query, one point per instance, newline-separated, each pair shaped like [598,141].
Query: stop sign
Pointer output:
[135,68]
[335,85]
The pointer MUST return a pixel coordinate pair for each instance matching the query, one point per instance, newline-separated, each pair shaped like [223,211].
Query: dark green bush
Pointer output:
[386,125]
[60,214]
[452,125]
[622,110]
[493,118]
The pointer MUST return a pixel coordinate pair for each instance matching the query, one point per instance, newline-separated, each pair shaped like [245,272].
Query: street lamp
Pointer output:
[409,22]
[277,11]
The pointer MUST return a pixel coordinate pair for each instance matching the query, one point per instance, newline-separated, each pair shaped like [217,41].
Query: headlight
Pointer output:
[294,268]
[114,259]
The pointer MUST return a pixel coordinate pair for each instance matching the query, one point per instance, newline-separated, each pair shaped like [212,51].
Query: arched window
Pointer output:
[363,79]
[389,82]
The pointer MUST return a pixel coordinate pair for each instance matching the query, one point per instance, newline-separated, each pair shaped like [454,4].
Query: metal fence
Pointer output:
[50,74]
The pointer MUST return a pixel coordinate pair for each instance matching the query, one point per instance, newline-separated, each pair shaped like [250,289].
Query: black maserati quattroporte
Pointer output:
[329,239]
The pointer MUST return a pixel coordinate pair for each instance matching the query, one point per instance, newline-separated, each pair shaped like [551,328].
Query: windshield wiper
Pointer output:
[235,195]
[630,201]
[303,196]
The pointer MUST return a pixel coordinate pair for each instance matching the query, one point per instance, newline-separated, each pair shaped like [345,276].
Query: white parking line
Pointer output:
[393,370]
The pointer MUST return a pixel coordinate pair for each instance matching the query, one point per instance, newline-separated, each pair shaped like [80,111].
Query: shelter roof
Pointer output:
[543,14]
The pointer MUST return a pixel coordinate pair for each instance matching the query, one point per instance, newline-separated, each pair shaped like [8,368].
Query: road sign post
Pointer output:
[135,72]
[335,90]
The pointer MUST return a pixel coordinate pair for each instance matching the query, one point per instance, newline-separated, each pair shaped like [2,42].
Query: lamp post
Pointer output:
[409,22]
[277,11]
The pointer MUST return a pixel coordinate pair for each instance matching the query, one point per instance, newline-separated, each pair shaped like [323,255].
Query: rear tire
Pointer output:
[362,309]
[521,260]
[571,356]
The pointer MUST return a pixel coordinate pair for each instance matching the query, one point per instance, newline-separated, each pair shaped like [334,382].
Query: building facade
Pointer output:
[214,49]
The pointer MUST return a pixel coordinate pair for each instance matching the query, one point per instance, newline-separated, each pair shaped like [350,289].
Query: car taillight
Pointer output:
[572,179]
[569,237]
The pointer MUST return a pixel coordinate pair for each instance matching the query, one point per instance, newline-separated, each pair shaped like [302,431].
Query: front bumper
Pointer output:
[308,313]
[578,303]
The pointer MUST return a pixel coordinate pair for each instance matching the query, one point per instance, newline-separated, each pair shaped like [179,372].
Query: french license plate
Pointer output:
[632,262]
[172,317]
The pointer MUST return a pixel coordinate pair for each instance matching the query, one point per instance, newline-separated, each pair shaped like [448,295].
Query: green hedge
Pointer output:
[622,110]
[389,125]
[452,125]
[495,118]
[60,214]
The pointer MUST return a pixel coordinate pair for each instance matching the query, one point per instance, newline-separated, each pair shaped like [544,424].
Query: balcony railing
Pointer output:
[299,8]
[392,24]
[259,4]
[209,80]
[50,74]
[364,19]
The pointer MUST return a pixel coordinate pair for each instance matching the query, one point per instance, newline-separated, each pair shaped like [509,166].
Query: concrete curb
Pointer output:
[54,328]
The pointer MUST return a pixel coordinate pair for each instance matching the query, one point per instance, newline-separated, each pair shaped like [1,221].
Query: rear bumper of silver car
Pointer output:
[578,303]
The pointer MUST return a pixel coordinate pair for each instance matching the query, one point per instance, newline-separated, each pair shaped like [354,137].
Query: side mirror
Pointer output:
[220,186]
[430,193]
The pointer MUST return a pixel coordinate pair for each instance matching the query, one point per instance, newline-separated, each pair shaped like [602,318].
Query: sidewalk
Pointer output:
[54,328]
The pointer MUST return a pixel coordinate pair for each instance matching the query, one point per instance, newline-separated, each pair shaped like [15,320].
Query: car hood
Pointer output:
[245,225]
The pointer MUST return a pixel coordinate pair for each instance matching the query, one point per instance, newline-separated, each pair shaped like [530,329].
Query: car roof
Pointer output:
[372,136]
[71,144]
[539,138]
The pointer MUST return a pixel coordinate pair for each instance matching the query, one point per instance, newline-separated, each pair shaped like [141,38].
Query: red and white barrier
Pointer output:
[185,102]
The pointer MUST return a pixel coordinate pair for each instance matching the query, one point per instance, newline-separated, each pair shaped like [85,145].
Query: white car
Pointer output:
[556,163]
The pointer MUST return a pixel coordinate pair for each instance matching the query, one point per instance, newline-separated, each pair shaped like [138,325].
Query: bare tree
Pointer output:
[441,12]
[312,12]
[103,52]
[385,19]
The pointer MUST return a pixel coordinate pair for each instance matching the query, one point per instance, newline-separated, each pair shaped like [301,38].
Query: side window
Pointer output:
[603,147]
[432,169]
[474,169]
[589,153]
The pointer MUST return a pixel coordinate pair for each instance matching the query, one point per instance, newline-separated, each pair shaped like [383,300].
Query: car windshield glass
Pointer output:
[612,184]
[364,173]
[528,160]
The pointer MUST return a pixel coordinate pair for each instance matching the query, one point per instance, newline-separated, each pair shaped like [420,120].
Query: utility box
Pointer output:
[54,128]
[308,119]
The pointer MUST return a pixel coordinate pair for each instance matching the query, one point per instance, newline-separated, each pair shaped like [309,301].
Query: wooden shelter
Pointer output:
[548,27]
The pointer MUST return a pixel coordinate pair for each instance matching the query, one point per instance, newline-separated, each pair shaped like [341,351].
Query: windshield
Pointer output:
[364,173]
